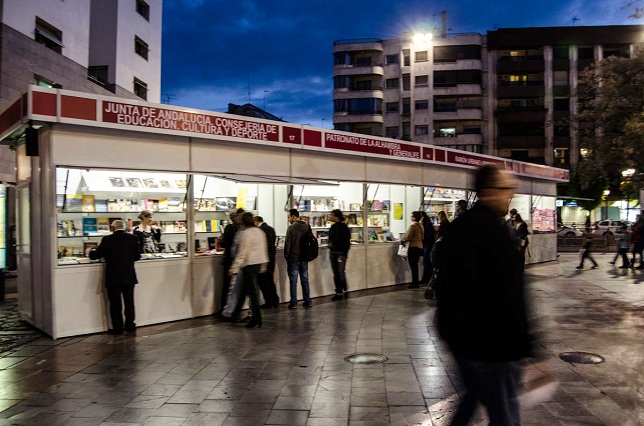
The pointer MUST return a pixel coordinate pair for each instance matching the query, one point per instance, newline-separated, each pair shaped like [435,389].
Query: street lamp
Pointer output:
[627,175]
[606,194]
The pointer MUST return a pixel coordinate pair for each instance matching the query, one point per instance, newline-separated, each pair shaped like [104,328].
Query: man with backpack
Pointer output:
[298,235]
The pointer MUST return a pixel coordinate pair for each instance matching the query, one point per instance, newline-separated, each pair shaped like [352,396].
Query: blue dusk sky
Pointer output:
[278,54]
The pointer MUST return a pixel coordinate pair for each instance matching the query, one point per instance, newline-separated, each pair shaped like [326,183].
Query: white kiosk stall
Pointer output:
[85,160]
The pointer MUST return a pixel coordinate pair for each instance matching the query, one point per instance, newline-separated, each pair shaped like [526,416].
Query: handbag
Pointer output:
[402,250]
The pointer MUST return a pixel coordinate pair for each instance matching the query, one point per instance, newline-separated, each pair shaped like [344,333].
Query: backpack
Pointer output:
[309,248]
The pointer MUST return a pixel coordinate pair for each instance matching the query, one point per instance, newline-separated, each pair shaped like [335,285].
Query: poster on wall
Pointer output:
[398,211]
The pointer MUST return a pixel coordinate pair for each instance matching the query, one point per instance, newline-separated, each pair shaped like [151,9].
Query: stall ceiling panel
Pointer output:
[448,177]
[231,158]
[543,188]
[394,172]
[108,150]
[311,164]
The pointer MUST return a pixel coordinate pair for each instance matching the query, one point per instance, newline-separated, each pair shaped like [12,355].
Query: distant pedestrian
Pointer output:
[637,238]
[586,244]
[461,206]
[339,245]
[120,251]
[429,237]
[623,245]
[414,241]
[521,234]
[296,264]
[251,259]
[226,242]
[443,224]
[267,279]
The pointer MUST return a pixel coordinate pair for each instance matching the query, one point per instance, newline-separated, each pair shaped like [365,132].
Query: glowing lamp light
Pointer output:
[422,38]
[628,172]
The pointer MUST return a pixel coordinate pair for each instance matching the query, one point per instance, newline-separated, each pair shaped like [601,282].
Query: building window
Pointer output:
[392,132]
[561,104]
[560,78]
[49,36]
[422,80]
[421,104]
[562,156]
[143,9]
[421,56]
[447,132]
[585,53]
[363,85]
[365,61]
[140,89]
[421,130]
[406,131]
[406,103]
[392,107]
[560,52]
[406,57]
[393,59]
[392,83]
[98,74]
[43,82]
[472,130]
[406,82]
[562,130]
[519,154]
[141,48]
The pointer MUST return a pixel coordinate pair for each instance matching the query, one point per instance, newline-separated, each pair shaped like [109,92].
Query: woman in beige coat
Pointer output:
[414,241]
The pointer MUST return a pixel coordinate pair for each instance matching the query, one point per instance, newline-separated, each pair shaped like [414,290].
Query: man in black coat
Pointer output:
[481,303]
[339,245]
[266,279]
[120,251]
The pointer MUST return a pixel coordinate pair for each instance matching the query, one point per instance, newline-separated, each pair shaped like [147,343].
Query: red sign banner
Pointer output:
[185,121]
[371,146]
[465,159]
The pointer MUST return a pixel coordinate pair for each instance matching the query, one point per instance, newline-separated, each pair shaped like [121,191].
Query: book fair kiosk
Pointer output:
[85,160]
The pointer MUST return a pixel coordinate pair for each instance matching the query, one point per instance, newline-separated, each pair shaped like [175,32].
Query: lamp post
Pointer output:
[606,194]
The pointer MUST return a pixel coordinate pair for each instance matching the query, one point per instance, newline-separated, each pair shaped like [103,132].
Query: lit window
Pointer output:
[422,80]
[49,36]
[43,82]
[447,132]
[143,9]
[141,47]
[140,89]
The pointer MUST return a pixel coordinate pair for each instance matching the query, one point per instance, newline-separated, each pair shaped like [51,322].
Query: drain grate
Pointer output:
[366,359]
[581,358]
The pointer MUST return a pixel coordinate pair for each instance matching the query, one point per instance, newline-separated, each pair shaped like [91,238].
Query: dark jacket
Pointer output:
[270,240]
[340,238]
[120,251]
[429,235]
[227,238]
[292,241]
[482,308]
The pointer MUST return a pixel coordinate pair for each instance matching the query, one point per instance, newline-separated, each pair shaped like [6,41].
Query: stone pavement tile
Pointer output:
[159,389]
[626,397]
[205,419]
[76,421]
[131,415]
[409,415]
[216,406]
[147,401]
[226,392]
[296,390]
[262,396]
[175,410]
[5,404]
[8,361]
[97,410]
[377,414]
[327,422]
[369,399]
[68,404]
[189,397]
[330,409]
[405,398]
[268,384]
[323,395]
[287,417]
[164,421]
[293,403]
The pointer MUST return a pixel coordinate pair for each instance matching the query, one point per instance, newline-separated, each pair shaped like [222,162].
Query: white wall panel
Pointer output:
[450,178]
[394,172]
[324,166]
[220,157]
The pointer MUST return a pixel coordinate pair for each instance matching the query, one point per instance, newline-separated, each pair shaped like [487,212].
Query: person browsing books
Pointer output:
[148,233]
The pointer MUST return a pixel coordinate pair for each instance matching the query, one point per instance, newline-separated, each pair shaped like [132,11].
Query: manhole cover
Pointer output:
[581,358]
[366,359]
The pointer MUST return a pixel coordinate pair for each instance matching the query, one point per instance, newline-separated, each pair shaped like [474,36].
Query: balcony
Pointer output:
[561,142]
[348,93]
[461,64]
[561,91]
[459,114]
[560,64]
[358,117]
[373,69]
[504,92]
[520,67]
[462,139]
[524,115]
[521,142]
[458,89]
[357,45]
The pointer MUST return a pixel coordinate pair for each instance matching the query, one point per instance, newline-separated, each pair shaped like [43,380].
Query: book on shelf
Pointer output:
[354,207]
[101,206]
[73,203]
[87,203]
[89,246]
[163,204]
[89,225]
[103,225]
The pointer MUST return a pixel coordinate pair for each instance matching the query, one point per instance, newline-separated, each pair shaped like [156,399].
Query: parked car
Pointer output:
[609,227]
[568,231]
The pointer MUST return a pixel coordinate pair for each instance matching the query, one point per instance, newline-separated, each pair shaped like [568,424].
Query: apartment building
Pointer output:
[105,47]
[509,93]
[420,88]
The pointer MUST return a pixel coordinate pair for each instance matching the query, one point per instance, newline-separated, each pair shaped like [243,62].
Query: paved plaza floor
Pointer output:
[292,371]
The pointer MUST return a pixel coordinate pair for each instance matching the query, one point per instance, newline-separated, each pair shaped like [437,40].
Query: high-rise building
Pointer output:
[509,93]
[105,47]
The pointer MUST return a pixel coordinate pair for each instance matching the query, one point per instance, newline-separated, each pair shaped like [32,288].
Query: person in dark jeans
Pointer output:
[226,242]
[429,236]
[482,309]
[414,239]
[266,279]
[339,244]
[295,264]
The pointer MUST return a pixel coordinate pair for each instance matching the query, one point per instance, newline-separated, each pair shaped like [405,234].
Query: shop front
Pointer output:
[101,158]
